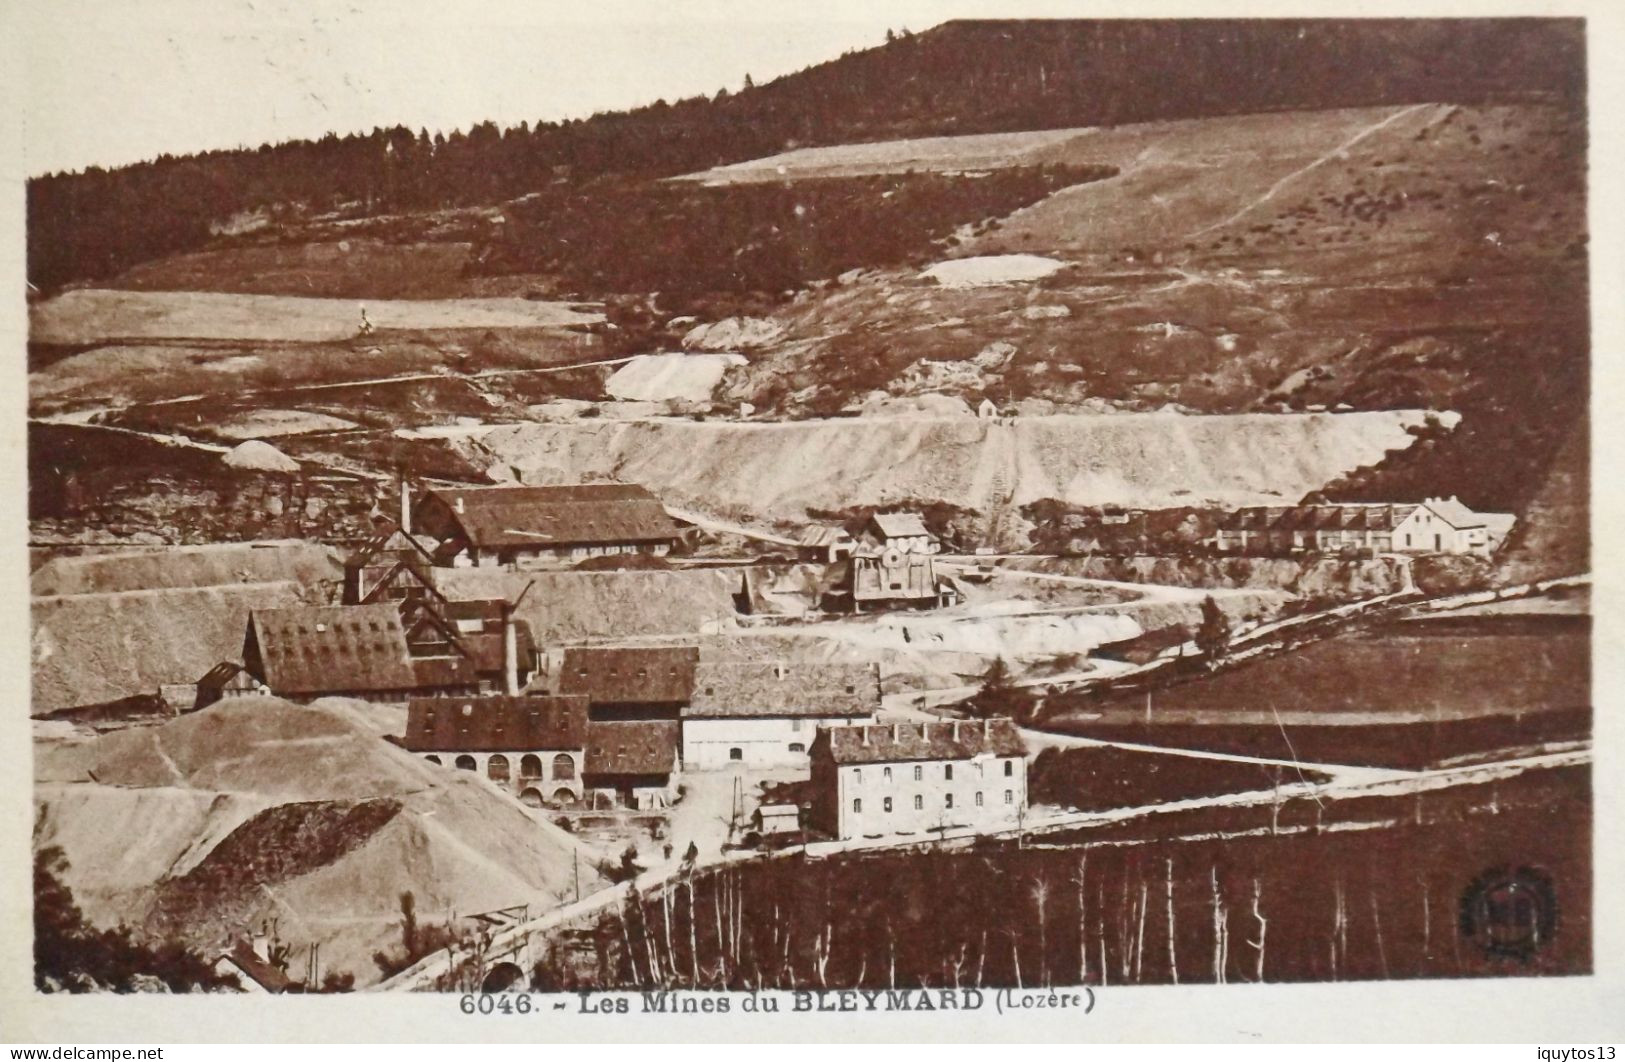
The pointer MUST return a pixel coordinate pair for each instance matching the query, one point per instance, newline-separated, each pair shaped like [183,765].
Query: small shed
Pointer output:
[771,819]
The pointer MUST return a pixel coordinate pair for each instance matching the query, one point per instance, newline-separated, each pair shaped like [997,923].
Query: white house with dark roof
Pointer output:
[903,532]
[542,526]
[766,713]
[918,778]
[1445,525]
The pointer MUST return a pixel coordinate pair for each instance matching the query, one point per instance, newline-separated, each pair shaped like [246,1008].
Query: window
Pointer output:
[857,775]
[919,802]
[1009,797]
[857,806]
[736,754]
[1009,768]
[886,806]
[917,772]
[949,802]
[796,746]
[978,800]
[948,771]
[885,775]
[795,724]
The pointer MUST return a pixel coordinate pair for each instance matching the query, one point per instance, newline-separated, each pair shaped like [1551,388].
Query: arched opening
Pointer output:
[504,977]
[563,798]
[496,768]
[736,754]
[564,768]
[531,797]
[530,766]
[466,763]
[432,758]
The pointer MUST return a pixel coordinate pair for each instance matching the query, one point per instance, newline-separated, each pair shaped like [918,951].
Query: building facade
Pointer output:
[904,532]
[1437,525]
[534,747]
[765,714]
[918,779]
[542,527]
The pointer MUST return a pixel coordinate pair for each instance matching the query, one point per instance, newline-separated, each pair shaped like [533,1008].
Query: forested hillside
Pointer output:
[961,77]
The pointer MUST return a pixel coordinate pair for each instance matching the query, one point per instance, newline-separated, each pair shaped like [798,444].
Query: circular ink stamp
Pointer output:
[1510,912]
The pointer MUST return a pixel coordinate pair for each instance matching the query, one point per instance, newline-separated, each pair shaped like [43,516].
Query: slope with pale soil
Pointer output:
[777,472]
[206,826]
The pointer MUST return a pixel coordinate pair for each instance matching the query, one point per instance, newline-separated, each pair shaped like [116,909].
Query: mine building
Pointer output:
[536,747]
[629,682]
[541,527]
[385,651]
[390,566]
[920,779]
[766,713]
[904,532]
[825,543]
[633,763]
[872,580]
[225,681]
[1436,525]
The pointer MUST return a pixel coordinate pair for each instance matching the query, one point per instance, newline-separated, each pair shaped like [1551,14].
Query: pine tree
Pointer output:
[1213,636]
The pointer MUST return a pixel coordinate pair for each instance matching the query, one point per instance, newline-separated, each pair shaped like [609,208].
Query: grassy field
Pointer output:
[1408,694]
[1103,777]
[979,151]
[101,315]
[336,269]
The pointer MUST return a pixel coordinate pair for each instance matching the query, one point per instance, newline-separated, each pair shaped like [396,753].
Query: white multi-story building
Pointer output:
[918,778]
[766,713]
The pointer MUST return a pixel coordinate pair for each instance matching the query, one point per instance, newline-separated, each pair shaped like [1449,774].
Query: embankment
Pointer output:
[1322,577]
[776,472]
[209,825]
[90,648]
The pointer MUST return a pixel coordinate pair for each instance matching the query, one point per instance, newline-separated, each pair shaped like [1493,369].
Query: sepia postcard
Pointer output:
[950,521]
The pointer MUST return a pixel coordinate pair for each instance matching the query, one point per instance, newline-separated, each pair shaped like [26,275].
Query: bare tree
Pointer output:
[1173,958]
[1081,879]
[1263,926]
[1221,931]
[1040,892]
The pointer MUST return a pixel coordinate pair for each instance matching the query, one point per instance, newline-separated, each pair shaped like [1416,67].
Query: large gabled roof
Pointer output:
[630,675]
[899,525]
[906,742]
[595,513]
[495,724]
[1454,513]
[745,689]
[330,648]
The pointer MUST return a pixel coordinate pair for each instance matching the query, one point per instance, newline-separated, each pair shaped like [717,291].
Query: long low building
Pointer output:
[535,746]
[766,713]
[1436,525]
[546,750]
[542,526]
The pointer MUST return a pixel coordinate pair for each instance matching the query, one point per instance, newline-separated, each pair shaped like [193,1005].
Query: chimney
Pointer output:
[406,506]
[863,734]
[457,504]
[510,652]
[262,944]
[895,730]
[987,728]
[956,730]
